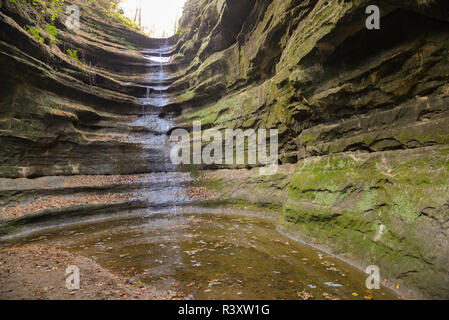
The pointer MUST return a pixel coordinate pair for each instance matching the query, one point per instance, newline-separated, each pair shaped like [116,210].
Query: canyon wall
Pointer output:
[362,118]
[78,132]
[362,115]
[71,115]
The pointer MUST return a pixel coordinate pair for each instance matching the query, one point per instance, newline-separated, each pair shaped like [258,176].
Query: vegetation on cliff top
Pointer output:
[47,19]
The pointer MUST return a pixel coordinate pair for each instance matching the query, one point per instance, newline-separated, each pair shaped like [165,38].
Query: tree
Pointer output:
[140,17]
[175,30]
[135,16]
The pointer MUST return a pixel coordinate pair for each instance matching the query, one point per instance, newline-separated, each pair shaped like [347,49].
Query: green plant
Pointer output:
[53,32]
[35,32]
[74,55]
[56,8]
[113,11]
[40,10]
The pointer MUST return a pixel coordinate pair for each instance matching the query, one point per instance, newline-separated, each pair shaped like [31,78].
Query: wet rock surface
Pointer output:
[362,118]
[61,116]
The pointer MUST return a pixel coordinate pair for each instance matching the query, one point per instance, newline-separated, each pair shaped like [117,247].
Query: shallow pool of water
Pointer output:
[211,256]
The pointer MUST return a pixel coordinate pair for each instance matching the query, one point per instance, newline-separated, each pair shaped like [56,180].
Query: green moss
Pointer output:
[306,138]
[405,206]
[369,199]
[186,96]
[327,198]
[211,184]
[406,184]
[268,208]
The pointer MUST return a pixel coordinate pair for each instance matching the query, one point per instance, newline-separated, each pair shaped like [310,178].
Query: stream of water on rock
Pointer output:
[203,255]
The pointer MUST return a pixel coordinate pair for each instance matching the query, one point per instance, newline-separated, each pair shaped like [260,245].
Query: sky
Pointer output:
[159,15]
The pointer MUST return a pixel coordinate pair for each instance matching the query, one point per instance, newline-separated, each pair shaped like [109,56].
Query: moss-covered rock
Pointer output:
[362,113]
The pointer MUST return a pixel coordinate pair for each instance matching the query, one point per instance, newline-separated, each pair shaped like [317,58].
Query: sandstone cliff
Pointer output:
[78,132]
[362,117]
[68,115]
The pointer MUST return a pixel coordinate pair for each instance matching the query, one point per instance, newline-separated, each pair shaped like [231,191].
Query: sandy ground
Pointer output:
[38,273]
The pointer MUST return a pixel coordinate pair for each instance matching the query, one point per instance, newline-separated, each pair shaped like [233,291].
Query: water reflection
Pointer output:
[210,256]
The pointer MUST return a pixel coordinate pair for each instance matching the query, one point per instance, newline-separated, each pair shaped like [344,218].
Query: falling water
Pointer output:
[153,100]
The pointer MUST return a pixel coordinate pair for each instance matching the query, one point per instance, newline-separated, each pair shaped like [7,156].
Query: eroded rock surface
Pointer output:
[362,117]
[65,116]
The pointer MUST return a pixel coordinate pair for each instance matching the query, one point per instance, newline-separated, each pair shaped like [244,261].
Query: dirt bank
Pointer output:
[34,272]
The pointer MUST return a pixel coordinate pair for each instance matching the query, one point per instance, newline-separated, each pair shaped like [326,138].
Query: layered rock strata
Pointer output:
[362,118]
